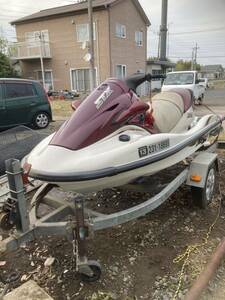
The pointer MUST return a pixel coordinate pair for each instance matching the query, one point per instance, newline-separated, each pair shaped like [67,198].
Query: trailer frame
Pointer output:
[83,221]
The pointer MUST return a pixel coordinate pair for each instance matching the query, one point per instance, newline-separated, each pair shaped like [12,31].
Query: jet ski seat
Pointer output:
[187,96]
[169,107]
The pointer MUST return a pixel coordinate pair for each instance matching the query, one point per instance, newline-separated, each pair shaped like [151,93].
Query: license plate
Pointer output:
[153,148]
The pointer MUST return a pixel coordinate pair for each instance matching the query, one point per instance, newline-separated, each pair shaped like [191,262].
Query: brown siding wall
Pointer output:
[66,52]
[124,51]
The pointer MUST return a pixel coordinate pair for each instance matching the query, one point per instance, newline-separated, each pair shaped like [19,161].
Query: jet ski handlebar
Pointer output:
[135,80]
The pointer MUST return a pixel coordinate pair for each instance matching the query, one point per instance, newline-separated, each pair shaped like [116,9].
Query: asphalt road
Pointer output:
[214,101]
[215,97]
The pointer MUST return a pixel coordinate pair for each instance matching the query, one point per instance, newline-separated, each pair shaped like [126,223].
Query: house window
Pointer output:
[83,32]
[33,40]
[121,71]
[120,31]
[48,79]
[36,36]
[80,80]
[157,72]
[139,38]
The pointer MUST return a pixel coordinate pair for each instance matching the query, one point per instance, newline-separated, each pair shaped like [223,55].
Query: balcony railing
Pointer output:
[29,50]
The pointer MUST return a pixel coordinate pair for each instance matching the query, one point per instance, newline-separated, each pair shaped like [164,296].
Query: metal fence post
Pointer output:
[16,188]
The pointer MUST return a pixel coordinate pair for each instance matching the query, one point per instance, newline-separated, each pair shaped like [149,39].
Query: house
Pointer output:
[158,67]
[52,44]
[212,72]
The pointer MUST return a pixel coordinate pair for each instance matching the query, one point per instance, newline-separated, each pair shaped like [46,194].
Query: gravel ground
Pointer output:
[137,257]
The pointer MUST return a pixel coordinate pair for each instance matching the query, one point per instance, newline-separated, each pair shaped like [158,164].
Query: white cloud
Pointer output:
[188,16]
[183,16]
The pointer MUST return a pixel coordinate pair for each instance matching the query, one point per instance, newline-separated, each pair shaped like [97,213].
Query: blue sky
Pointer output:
[190,21]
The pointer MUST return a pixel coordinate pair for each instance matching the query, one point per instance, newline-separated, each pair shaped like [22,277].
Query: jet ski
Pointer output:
[113,138]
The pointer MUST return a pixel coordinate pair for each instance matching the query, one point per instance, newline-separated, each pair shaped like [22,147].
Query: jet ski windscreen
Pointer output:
[96,117]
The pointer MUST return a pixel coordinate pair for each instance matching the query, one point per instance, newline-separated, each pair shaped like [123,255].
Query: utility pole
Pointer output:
[159,41]
[163,30]
[194,57]
[41,59]
[91,45]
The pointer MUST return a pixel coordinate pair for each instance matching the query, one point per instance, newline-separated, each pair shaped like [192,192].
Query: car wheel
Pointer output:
[200,99]
[41,120]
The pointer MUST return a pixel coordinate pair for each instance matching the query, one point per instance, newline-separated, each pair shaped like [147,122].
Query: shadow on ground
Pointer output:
[17,143]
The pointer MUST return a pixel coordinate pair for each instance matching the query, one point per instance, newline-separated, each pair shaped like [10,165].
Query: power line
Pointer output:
[192,32]
[198,31]
[210,56]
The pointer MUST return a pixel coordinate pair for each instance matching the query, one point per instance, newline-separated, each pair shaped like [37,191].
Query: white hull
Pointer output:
[127,177]
[110,153]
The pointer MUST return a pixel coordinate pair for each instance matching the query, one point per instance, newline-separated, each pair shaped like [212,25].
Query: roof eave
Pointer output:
[60,15]
[142,12]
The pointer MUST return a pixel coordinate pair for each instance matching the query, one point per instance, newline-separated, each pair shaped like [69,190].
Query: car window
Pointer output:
[16,90]
[179,78]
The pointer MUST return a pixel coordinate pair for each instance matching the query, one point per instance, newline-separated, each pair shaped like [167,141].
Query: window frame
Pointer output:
[139,42]
[123,71]
[40,80]
[122,28]
[87,26]
[77,69]
[32,42]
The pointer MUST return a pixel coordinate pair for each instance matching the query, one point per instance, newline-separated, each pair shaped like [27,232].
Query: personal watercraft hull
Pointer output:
[113,161]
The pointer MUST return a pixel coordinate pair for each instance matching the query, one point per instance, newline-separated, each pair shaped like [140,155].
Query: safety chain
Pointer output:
[192,248]
[75,250]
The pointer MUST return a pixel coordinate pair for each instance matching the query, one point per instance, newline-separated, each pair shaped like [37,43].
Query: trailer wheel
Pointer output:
[203,196]
[95,268]
[5,222]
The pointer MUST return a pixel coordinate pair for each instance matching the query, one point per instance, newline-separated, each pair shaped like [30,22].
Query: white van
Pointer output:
[187,80]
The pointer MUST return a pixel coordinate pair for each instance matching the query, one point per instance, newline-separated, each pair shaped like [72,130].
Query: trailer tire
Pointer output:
[203,196]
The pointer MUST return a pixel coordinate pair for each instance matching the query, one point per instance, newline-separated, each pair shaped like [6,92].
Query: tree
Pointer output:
[3,45]
[6,69]
[185,65]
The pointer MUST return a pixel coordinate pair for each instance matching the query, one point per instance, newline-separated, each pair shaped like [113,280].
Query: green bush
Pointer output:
[6,69]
